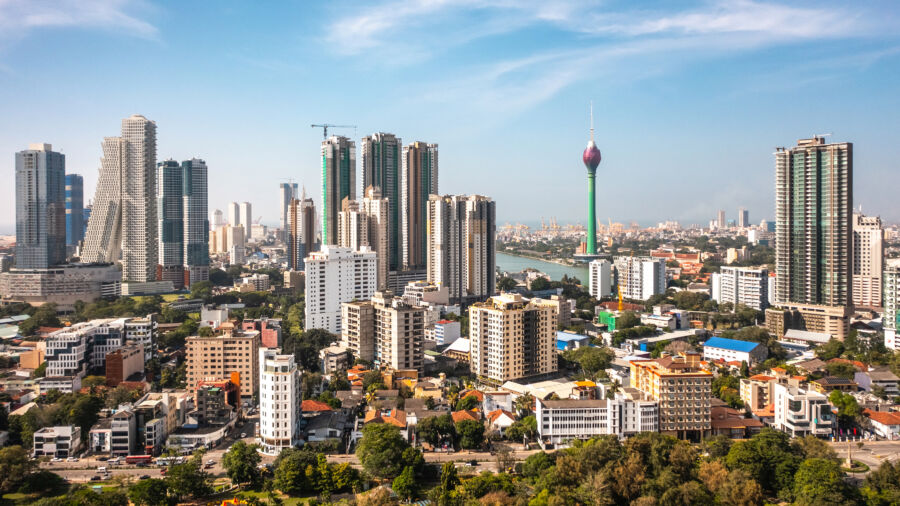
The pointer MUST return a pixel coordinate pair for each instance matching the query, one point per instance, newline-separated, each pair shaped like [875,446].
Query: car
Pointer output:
[56,459]
[103,459]
[243,435]
[163,471]
[210,462]
[72,459]
[95,478]
[145,476]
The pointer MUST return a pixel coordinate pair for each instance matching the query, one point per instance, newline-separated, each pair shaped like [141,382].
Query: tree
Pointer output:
[15,466]
[539,284]
[92,382]
[832,349]
[506,284]
[471,434]
[848,407]
[381,450]
[44,316]
[150,492]
[811,447]
[535,464]
[523,428]
[241,463]
[820,481]
[201,290]
[841,370]
[188,480]
[449,482]
[290,471]
[405,485]
[436,429]
[466,403]
[524,404]
[119,395]
[627,320]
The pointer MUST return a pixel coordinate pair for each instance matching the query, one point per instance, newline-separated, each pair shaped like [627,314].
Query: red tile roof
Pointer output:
[493,415]
[395,417]
[478,395]
[313,405]
[883,417]
[762,377]
[459,416]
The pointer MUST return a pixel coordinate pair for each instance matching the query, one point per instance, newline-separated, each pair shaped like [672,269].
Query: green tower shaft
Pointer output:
[592,218]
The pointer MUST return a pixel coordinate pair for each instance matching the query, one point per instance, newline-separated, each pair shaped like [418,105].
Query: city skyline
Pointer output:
[768,58]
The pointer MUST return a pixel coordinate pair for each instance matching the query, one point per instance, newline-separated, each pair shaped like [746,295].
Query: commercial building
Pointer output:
[75,350]
[743,217]
[123,363]
[682,388]
[62,285]
[123,224]
[512,338]
[461,251]
[170,210]
[600,278]
[868,260]
[418,181]
[142,331]
[561,421]
[381,165]
[741,285]
[815,319]
[75,223]
[287,192]
[269,330]
[802,412]
[891,296]
[246,216]
[385,330]
[813,232]
[196,220]
[216,402]
[338,182]
[301,233]
[640,277]
[366,223]
[731,350]
[720,219]
[333,276]
[279,399]
[446,331]
[40,207]
[219,357]
[234,214]
[58,442]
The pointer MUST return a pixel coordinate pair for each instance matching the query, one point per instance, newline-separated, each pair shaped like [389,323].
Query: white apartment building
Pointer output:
[600,282]
[279,400]
[868,260]
[246,217]
[561,421]
[385,330]
[234,214]
[333,276]
[641,277]
[142,331]
[741,285]
[891,297]
[800,412]
[446,331]
[74,350]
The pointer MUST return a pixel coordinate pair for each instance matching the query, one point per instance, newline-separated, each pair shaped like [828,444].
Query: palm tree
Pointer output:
[524,403]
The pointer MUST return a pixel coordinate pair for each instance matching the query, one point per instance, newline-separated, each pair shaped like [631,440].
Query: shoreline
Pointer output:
[551,261]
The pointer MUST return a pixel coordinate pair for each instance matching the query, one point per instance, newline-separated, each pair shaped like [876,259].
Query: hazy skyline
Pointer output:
[689,102]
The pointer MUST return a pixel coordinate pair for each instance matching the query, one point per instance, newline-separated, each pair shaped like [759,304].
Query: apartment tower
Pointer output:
[366,223]
[381,170]
[75,223]
[338,182]
[868,260]
[419,181]
[40,207]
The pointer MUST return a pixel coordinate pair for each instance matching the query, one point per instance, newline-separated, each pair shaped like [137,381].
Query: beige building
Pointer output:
[357,329]
[365,223]
[217,357]
[385,330]
[868,260]
[756,391]
[512,337]
[833,320]
[683,390]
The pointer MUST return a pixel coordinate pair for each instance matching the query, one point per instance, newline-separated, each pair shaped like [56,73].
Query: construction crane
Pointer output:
[326,126]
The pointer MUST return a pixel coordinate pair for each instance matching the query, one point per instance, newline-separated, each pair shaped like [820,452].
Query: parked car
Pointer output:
[95,478]
[56,459]
[145,477]
[72,459]
[243,435]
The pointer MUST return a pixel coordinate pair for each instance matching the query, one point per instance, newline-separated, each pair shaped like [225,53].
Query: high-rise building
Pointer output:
[40,207]
[171,223]
[183,223]
[338,182]
[286,193]
[86,214]
[234,214]
[220,356]
[741,285]
[511,338]
[683,389]
[234,240]
[591,158]
[600,283]
[868,259]
[720,219]
[123,223]
[365,223]
[385,330]
[381,170]
[891,296]
[336,275]
[461,251]
[813,234]
[419,180]
[279,398]
[75,223]
[641,277]
[196,222]
[743,217]
[218,219]
[301,231]
[246,217]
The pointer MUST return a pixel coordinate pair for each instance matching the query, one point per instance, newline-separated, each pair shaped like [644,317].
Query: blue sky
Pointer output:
[690,100]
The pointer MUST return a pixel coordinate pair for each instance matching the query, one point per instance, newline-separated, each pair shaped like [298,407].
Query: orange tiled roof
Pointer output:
[855,363]
[459,416]
[314,405]
[762,377]
[493,415]
[883,417]
[768,411]
[396,417]
[478,395]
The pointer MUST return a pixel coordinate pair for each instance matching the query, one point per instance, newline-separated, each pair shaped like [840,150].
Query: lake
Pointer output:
[512,263]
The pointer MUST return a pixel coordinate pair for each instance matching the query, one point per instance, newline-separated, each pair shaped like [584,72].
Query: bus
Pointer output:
[168,461]
[139,459]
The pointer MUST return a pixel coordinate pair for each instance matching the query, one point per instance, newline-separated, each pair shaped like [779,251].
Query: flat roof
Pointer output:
[730,344]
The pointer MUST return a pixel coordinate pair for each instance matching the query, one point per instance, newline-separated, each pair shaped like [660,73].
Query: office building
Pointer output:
[82,347]
[63,285]
[891,296]
[446,331]
[461,251]
[279,399]
[813,233]
[868,260]
[741,285]
[219,357]
[385,330]
[170,210]
[333,276]
[600,278]
[564,420]
[640,278]
[246,217]
[743,218]
[365,223]
[720,219]
[196,222]
[338,182]
[734,350]
[511,338]
[419,180]
[234,214]
[75,222]
[801,412]
[40,207]
[287,192]
[301,231]
[58,442]
[235,240]
[683,389]
[123,224]
[381,170]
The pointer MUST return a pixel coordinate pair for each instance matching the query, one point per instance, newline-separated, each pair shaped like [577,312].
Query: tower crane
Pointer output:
[326,126]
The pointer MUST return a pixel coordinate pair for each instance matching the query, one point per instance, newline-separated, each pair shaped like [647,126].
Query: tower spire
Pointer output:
[592,120]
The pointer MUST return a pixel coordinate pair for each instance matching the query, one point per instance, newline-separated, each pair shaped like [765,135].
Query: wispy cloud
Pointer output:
[20,17]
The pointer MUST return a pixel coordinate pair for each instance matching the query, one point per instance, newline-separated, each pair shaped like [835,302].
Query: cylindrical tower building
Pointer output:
[591,159]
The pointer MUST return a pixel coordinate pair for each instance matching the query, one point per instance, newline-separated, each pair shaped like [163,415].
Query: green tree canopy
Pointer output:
[241,463]
[471,434]
[381,450]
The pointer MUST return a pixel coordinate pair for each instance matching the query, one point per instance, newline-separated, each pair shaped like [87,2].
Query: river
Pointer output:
[512,263]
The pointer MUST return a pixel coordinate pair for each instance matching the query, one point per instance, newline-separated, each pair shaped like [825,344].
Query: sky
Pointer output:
[690,98]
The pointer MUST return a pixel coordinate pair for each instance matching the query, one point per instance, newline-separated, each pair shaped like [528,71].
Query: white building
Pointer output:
[256,281]
[446,331]
[600,284]
[246,217]
[59,442]
[800,412]
[741,285]
[731,350]
[561,421]
[868,260]
[74,350]
[333,276]
[891,291]
[234,214]
[279,400]
[142,331]
[641,277]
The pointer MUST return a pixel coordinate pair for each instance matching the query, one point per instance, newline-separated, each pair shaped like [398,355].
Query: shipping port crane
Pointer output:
[326,126]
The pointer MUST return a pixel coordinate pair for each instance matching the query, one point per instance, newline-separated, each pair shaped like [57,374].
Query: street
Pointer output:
[872,453]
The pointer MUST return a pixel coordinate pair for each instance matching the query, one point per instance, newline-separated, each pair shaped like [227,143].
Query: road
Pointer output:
[872,453]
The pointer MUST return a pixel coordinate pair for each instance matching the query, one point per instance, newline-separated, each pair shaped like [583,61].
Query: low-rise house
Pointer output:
[395,417]
[811,366]
[333,359]
[459,416]
[64,384]
[731,422]
[883,379]
[500,419]
[428,388]
[324,426]
[313,408]
[498,400]
[829,384]
[458,350]
[729,350]
[566,340]
[59,442]
[885,424]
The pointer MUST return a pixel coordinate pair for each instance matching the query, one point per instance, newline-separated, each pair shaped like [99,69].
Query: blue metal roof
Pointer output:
[730,344]
[570,336]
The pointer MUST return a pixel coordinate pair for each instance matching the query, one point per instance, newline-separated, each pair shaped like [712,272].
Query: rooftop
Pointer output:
[730,344]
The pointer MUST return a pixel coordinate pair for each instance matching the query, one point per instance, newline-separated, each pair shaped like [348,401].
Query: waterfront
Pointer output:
[512,263]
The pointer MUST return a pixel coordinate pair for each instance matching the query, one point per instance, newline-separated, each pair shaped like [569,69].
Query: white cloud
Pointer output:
[20,17]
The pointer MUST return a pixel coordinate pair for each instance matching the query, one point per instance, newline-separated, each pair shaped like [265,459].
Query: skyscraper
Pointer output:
[419,180]
[301,231]
[381,170]
[75,223]
[868,260]
[338,182]
[813,235]
[218,218]
[743,217]
[720,219]
[183,223]
[365,223]
[234,214]
[461,251]
[123,224]
[196,222]
[286,193]
[40,207]
[246,216]
[170,209]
